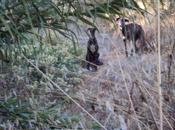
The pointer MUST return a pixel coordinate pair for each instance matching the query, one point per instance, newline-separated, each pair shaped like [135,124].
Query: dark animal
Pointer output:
[92,55]
[133,33]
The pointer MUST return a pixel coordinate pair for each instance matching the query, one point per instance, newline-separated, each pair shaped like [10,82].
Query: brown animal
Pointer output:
[133,33]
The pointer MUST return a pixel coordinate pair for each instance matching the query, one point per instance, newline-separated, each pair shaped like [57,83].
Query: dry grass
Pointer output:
[127,87]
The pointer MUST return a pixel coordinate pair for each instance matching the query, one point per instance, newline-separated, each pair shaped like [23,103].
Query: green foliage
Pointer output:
[30,101]
[21,115]
[21,17]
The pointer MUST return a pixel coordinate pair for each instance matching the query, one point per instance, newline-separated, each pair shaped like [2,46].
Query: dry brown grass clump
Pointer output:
[126,88]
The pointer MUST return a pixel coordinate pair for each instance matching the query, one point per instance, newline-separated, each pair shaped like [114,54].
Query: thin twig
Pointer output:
[74,101]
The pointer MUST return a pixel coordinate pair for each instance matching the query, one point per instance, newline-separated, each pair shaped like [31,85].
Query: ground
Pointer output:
[123,87]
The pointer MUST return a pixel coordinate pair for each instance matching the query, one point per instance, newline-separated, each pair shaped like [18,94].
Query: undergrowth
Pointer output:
[27,99]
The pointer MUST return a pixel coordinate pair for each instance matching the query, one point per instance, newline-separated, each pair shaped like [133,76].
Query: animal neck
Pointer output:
[123,29]
[93,38]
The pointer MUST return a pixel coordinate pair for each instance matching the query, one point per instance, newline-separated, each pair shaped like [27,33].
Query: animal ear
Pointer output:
[88,29]
[126,20]
[88,32]
[96,29]
[117,18]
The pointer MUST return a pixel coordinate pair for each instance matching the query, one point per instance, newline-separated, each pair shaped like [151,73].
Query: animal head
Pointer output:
[91,32]
[121,21]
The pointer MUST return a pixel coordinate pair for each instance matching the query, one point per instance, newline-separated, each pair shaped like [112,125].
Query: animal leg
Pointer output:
[95,68]
[139,46]
[131,48]
[126,52]
[88,64]
[98,62]
[136,47]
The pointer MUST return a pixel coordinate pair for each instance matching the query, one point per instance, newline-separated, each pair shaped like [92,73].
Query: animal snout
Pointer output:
[92,48]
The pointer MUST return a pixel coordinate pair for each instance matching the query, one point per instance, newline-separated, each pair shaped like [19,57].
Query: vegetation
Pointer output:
[40,57]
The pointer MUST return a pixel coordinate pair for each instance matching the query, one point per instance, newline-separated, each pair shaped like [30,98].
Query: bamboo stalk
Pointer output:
[159,67]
